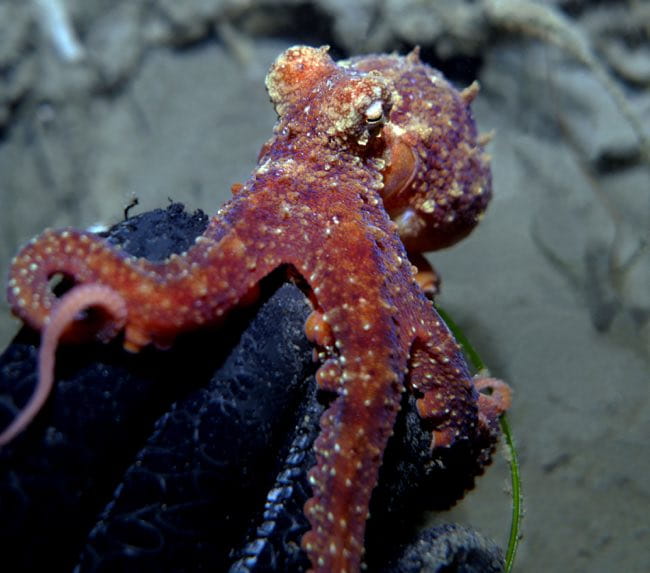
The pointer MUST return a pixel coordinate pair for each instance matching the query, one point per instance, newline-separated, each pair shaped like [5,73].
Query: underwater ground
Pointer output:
[164,100]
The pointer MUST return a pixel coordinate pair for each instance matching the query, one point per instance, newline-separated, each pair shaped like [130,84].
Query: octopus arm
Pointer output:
[164,299]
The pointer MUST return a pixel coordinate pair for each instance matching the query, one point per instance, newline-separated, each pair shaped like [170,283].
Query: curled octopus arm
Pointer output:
[65,312]
[150,302]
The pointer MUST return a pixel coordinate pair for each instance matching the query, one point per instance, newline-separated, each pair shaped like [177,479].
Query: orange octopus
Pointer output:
[372,161]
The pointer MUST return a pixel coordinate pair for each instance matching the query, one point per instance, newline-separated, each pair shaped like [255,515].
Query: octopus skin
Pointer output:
[372,160]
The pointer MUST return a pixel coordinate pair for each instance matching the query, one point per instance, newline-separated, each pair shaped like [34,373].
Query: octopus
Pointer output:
[372,162]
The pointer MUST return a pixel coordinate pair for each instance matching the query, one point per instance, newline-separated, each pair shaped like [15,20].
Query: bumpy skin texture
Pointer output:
[350,138]
[438,181]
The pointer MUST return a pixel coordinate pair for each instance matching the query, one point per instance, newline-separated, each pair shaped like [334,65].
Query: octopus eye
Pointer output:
[374,113]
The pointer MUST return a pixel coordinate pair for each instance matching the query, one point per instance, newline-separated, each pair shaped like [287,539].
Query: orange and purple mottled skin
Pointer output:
[355,144]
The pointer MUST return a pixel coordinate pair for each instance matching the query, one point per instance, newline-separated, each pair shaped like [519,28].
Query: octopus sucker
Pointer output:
[372,161]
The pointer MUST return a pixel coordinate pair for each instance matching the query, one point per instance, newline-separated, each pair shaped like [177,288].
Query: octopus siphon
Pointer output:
[372,161]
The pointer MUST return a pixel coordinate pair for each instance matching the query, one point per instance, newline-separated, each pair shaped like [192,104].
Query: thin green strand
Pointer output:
[515,478]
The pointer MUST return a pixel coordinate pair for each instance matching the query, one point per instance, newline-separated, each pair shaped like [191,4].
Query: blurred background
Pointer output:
[105,103]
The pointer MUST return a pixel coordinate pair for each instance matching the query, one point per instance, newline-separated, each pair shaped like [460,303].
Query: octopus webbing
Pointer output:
[372,161]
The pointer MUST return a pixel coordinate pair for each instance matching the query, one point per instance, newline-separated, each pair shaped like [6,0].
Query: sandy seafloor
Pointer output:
[178,111]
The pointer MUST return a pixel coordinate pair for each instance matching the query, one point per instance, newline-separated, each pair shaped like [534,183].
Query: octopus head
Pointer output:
[313,95]
[296,73]
[437,180]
